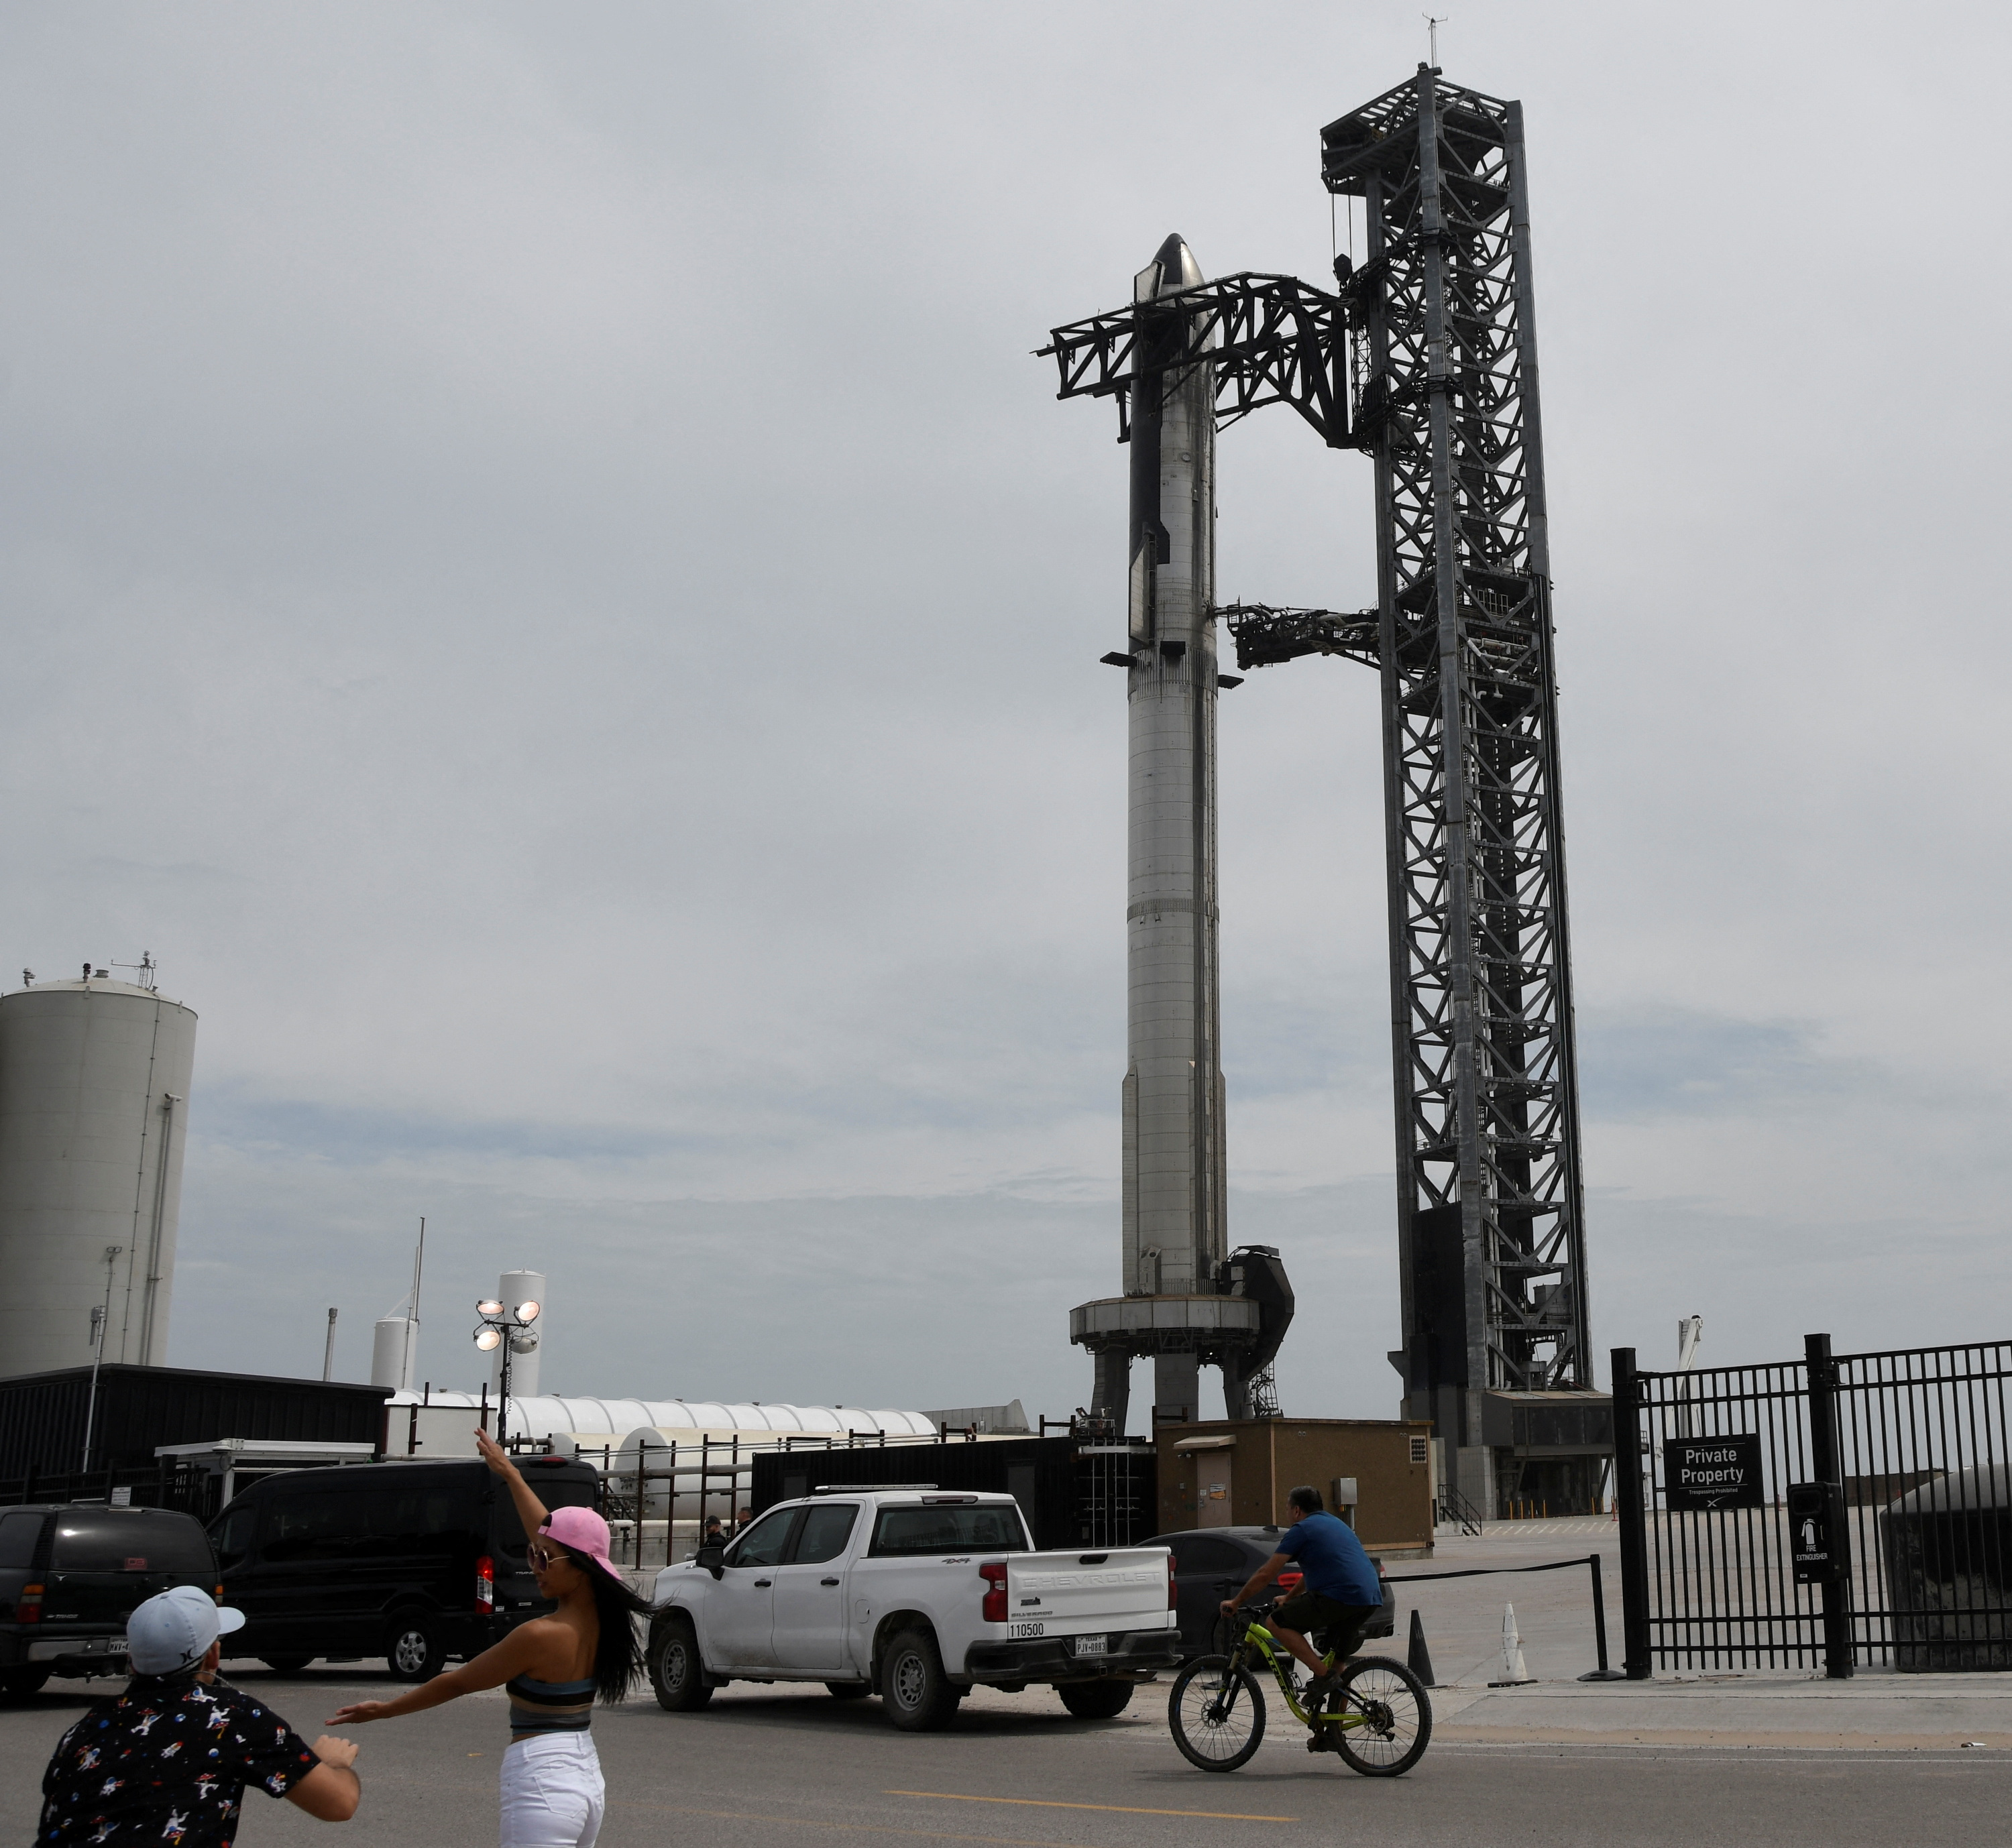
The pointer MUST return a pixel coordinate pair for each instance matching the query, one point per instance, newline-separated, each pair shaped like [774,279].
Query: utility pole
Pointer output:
[328,1352]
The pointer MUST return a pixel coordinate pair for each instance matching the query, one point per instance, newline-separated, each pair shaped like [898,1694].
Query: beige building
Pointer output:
[1237,1473]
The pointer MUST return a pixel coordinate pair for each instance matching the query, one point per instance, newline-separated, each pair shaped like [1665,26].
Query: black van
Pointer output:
[71,1574]
[417,1562]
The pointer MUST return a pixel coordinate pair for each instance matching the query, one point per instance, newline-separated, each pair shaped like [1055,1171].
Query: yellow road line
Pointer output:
[858,1828]
[1120,1809]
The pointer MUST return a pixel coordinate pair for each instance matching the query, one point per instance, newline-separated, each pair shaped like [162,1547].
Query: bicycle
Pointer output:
[1378,1716]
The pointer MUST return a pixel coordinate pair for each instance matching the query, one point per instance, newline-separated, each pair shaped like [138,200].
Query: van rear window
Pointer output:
[109,1540]
[953,1529]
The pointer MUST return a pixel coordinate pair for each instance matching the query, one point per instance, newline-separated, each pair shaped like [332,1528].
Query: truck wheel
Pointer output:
[914,1689]
[677,1676]
[286,1664]
[413,1650]
[22,1684]
[1096,1699]
[848,1690]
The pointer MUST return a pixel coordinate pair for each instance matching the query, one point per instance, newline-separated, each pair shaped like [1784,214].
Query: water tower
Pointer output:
[93,1093]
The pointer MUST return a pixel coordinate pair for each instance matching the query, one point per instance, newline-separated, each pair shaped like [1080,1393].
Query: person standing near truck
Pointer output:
[552,1668]
[167,1761]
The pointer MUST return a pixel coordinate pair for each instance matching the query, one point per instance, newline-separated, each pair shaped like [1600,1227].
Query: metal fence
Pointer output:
[191,1488]
[1837,1510]
[657,1498]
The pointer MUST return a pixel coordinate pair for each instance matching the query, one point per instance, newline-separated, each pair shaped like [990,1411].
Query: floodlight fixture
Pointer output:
[487,1307]
[487,1338]
[527,1313]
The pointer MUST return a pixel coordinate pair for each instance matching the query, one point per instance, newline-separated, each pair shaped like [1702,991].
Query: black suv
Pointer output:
[416,1562]
[72,1573]
[1212,1563]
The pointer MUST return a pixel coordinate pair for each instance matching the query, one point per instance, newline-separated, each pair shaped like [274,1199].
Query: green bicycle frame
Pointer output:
[1256,1637]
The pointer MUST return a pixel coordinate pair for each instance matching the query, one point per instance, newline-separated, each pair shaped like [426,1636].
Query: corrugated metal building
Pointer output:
[42,1415]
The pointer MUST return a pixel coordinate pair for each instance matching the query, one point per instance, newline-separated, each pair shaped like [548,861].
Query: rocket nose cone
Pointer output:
[1173,267]
[1177,267]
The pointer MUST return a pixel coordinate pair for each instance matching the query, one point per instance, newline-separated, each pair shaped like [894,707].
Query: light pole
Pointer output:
[509,1329]
[100,1320]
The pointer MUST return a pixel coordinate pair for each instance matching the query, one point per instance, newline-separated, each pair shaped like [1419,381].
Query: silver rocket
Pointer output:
[1174,1195]
[1189,1301]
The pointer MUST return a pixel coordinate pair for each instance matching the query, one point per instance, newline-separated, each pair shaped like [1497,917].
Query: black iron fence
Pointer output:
[1839,1510]
[190,1488]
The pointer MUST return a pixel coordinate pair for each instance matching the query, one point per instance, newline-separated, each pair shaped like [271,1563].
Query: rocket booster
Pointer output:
[1174,1187]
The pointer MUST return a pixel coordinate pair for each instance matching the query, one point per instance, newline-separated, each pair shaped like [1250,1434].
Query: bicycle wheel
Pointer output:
[1216,1713]
[1386,1717]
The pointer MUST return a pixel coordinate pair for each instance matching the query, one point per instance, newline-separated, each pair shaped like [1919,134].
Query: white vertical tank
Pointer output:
[394,1352]
[514,1287]
[94,1095]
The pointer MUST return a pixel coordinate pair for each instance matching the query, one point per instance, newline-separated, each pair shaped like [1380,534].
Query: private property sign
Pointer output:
[1712,1472]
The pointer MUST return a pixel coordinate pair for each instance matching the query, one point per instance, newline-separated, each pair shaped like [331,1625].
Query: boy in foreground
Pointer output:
[166,1762]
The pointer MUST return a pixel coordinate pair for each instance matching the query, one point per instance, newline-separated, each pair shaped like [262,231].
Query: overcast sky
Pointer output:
[544,584]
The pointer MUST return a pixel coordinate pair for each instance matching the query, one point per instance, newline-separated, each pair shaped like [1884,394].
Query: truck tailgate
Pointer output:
[1072,1593]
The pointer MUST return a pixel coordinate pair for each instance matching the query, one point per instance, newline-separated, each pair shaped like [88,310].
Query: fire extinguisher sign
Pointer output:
[1815,1535]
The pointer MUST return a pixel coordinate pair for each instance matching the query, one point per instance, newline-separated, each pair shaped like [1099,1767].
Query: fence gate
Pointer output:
[1839,1509]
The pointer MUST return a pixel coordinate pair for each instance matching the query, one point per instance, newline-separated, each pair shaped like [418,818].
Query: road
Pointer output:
[774,1765]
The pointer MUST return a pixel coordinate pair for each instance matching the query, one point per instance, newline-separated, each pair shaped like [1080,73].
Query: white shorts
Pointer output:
[552,1792]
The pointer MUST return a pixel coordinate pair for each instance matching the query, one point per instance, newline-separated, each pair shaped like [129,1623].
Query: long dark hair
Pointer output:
[619,1660]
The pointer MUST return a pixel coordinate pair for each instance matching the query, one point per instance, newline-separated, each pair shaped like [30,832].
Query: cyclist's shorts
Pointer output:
[1308,1611]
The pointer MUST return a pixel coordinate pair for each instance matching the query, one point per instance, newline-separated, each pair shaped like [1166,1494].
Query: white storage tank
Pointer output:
[394,1352]
[93,1093]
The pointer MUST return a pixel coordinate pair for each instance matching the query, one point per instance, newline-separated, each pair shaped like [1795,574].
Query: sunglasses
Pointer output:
[543,1558]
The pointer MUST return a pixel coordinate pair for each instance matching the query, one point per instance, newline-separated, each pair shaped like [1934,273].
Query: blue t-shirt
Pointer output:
[1327,1552]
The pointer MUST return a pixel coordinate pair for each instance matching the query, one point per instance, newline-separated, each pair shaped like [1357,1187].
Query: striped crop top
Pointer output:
[538,1706]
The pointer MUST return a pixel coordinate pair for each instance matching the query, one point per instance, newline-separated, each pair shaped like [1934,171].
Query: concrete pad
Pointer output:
[1873,1712]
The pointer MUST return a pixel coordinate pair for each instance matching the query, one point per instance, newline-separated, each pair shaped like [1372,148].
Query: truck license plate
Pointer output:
[1029,1629]
[1092,1645]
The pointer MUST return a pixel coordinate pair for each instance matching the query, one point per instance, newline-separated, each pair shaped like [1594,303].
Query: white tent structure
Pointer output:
[437,1423]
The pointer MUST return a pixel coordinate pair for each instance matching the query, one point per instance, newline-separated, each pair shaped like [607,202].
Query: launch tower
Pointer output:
[1431,345]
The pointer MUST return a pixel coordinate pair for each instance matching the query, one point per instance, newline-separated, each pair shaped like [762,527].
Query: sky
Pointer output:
[544,585]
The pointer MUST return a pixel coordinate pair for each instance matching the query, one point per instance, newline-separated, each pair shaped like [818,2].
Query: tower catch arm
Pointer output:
[1271,339]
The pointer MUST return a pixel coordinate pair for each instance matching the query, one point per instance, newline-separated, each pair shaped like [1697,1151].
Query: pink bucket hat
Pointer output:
[583,1534]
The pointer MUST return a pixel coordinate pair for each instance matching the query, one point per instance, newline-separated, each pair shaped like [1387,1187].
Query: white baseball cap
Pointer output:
[174,1631]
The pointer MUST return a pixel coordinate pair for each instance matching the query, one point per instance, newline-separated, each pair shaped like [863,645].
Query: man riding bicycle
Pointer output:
[1339,1592]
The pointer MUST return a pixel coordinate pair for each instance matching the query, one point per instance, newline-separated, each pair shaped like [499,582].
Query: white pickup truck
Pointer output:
[917,1595]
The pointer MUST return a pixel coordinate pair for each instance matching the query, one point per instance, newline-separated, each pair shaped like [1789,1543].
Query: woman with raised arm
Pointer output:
[552,1668]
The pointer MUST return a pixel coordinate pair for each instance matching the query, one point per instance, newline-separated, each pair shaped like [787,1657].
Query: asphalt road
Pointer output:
[773,1765]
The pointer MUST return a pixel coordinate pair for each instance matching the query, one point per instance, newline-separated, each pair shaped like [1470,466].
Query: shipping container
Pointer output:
[139,1409]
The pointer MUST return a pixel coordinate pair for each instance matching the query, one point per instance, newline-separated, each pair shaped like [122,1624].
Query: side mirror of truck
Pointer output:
[711,1557]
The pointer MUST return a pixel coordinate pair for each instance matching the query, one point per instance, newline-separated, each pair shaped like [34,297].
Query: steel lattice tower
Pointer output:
[1432,343]
[1490,1211]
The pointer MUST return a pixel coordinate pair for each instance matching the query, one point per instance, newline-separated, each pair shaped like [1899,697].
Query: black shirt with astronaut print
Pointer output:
[166,1763]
